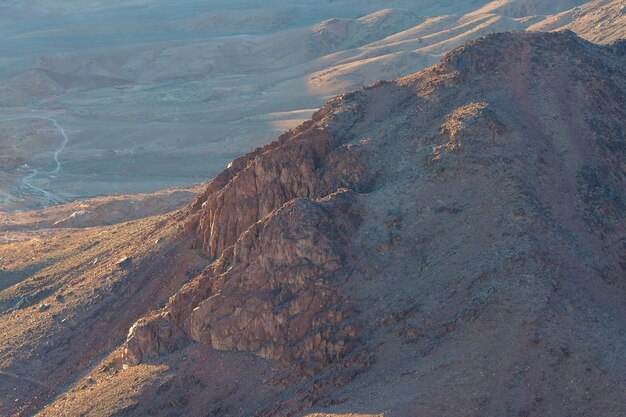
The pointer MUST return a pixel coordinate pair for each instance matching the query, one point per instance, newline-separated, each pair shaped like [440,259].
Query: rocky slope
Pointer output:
[447,244]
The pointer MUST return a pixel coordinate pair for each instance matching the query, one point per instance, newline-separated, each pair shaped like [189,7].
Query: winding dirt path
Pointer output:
[25,181]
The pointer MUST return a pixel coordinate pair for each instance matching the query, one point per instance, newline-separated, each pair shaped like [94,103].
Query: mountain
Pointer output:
[450,243]
[158,95]
[601,21]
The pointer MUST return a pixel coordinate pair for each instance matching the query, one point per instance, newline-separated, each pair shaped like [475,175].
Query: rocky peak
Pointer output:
[456,213]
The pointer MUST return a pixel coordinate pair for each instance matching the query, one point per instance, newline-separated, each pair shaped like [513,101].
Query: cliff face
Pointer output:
[279,221]
[274,292]
[307,164]
[450,243]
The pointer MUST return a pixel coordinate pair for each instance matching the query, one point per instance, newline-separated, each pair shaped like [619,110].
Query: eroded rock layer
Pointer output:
[273,293]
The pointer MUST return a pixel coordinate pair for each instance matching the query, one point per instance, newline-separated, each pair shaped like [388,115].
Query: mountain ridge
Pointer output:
[448,243]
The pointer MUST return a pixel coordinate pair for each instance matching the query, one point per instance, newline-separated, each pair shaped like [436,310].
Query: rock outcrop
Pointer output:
[277,222]
[280,299]
[309,162]
[273,293]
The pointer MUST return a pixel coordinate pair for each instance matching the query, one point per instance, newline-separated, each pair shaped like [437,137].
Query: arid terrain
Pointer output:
[100,98]
[449,243]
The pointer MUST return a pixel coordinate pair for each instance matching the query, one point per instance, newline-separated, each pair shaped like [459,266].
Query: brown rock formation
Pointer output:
[278,297]
[307,163]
